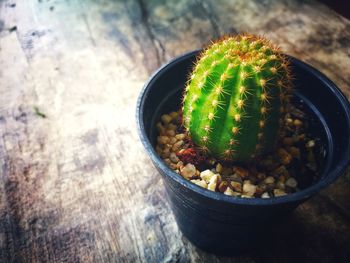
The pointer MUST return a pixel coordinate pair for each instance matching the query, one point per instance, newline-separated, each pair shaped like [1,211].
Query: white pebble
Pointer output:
[229,191]
[188,171]
[199,182]
[310,144]
[248,188]
[206,175]
[265,195]
[279,192]
[212,183]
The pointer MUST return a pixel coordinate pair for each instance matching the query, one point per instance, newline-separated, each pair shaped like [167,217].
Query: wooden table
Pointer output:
[75,182]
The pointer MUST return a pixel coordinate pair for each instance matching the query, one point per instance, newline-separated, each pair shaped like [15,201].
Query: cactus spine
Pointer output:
[236,96]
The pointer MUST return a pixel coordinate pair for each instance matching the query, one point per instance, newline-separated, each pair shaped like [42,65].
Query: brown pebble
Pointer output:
[236,186]
[173,158]
[171,133]
[174,115]
[240,171]
[171,126]
[297,123]
[180,136]
[279,192]
[284,156]
[165,153]
[261,176]
[160,128]
[166,118]
[295,152]
[163,139]
[188,171]
[179,165]
[177,145]
[223,186]
[288,141]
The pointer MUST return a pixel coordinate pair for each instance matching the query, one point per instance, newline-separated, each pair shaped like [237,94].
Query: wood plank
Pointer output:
[76,186]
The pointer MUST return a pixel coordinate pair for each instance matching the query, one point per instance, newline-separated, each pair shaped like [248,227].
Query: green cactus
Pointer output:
[236,96]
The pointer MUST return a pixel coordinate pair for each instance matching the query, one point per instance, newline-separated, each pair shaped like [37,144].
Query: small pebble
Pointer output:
[236,186]
[188,171]
[269,180]
[284,156]
[265,195]
[177,145]
[297,123]
[174,115]
[165,153]
[229,191]
[218,168]
[248,188]
[180,136]
[310,144]
[281,170]
[291,182]
[280,185]
[173,158]
[289,121]
[279,192]
[199,182]
[163,139]
[166,118]
[240,171]
[206,175]
[223,186]
[171,126]
[295,152]
[160,128]
[212,183]
[179,165]
[171,133]
[172,140]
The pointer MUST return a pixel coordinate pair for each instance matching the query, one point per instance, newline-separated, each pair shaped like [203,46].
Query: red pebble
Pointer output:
[190,155]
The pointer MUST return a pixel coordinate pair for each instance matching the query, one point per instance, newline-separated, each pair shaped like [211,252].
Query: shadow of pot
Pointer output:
[229,225]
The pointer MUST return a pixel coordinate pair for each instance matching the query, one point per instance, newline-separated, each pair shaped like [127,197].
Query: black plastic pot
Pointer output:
[223,224]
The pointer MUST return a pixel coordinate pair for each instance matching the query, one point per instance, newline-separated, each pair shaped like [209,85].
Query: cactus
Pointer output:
[236,96]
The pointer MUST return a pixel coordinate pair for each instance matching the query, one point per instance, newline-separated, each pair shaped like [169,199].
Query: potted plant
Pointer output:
[234,107]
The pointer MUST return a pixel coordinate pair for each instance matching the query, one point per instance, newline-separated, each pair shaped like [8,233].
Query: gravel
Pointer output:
[273,176]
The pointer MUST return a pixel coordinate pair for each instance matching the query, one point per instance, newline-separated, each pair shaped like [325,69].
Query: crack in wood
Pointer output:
[207,10]
[160,54]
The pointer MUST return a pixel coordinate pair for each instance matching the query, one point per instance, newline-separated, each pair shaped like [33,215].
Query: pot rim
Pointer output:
[300,195]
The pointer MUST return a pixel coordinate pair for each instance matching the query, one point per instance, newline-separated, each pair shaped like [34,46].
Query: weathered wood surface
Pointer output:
[76,186]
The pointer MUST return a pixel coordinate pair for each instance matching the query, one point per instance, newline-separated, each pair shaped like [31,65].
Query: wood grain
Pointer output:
[75,184]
